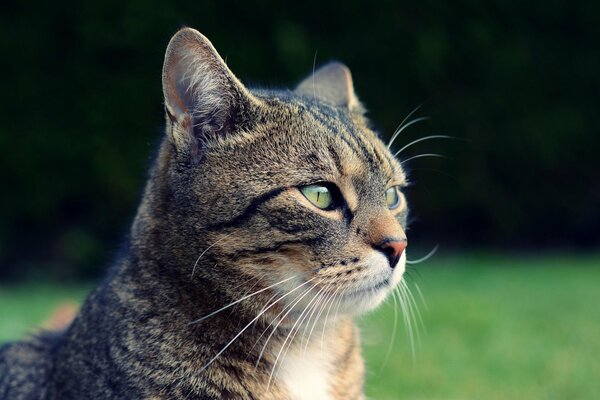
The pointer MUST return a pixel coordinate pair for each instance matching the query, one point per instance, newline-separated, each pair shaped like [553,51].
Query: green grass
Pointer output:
[494,328]
[524,328]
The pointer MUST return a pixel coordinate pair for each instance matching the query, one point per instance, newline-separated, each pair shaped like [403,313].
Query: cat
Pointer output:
[268,221]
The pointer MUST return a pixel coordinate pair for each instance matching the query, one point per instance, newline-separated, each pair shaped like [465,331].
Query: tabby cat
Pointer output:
[269,220]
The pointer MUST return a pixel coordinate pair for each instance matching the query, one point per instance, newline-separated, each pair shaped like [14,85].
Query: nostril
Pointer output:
[389,251]
[392,249]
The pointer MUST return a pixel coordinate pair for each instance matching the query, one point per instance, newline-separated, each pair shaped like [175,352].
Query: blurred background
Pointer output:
[511,294]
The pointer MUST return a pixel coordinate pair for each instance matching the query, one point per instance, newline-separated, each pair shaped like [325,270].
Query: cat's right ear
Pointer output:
[203,99]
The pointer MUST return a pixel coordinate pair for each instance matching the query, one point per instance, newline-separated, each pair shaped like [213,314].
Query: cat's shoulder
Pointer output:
[25,367]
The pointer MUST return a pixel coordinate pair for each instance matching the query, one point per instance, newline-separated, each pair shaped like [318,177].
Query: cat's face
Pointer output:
[291,188]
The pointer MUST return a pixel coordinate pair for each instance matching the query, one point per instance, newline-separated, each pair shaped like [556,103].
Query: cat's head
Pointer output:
[284,188]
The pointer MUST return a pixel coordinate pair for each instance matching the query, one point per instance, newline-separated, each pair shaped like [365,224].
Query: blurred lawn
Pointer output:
[495,328]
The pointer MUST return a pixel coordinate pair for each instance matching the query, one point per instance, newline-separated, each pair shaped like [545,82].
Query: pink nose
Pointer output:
[392,249]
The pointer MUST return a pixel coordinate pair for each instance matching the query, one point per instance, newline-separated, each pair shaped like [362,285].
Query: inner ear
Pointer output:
[331,83]
[202,96]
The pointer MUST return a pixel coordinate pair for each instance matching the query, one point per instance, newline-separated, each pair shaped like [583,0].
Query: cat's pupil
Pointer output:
[318,195]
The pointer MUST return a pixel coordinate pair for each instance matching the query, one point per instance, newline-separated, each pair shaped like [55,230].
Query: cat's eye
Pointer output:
[319,195]
[392,197]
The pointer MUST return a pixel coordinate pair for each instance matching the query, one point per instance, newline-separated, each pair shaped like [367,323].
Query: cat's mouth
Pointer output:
[369,290]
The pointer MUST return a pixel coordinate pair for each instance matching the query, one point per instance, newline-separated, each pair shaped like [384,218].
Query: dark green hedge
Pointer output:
[81,112]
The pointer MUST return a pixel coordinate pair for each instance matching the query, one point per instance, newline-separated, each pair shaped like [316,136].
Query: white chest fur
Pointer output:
[306,374]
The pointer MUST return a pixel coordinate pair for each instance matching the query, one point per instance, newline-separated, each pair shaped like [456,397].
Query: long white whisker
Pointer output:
[275,319]
[257,278]
[422,155]
[407,320]
[300,318]
[205,250]
[323,304]
[392,339]
[339,303]
[413,321]
[240,300]
[263,307]
[416,316]
[315,297]
[421,295]
[278,319]
[296,301]
[250,323]
[415,309]
[402,128]
[311,307]
[333,300]
[422,139]
[424,258]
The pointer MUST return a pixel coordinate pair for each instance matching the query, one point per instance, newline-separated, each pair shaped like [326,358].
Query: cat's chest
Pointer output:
[307,374]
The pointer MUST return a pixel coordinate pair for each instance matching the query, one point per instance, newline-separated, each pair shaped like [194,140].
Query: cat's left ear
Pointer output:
[332,83]
[203,99]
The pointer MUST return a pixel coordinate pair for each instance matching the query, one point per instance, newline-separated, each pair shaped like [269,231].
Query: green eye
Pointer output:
[392,198]
[319,195]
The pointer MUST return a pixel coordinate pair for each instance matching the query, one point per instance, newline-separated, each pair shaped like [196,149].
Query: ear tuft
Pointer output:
[331,83]
[202,96]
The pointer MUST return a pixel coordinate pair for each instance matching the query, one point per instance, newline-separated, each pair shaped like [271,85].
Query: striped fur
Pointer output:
[222,218]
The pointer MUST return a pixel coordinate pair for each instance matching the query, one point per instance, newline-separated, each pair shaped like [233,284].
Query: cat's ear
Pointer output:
[202,96]
[331,83]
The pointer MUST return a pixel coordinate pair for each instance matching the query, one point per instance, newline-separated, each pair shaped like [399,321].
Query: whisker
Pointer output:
[205,250]
[257,278]
[422,139]
[310,307]
[406,319]
[414,307]
[337,309]
[296,301]
[275,319]
[240,300]
[392,339]
[422,155]
[263,307]
[401,125]
[300,318]
[334,298]
[250,323]
[401,129]
[421,295]
[323,305]
[416,314]
[424,258]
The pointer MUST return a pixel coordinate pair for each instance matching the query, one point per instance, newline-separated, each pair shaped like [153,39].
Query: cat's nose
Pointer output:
[392,249]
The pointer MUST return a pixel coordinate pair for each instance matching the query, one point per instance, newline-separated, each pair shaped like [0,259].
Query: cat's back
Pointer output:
[25,367]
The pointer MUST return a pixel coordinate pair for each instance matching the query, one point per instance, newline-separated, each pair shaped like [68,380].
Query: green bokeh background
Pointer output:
[81,112]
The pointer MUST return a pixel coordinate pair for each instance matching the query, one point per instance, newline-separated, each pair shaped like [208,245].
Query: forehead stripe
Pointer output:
[344,133]
[335,132]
